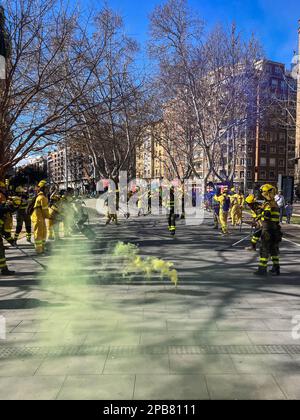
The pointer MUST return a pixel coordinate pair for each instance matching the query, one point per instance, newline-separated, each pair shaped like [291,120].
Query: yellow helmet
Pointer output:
[250,199]
[20,190]
[42,183]
[268,191]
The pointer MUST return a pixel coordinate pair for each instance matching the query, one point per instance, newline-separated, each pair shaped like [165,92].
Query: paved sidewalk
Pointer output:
[222,334]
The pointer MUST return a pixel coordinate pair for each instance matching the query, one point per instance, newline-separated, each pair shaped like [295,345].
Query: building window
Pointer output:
[242,174]
[273,137]
[249,174]
[277,70]
[281,149]
[263,161]
[281,136]
[272,175]
[281,163]
[242,161]
[274,83]
[272,162]
[272,149]
[263,148]
[249,161]
[262,174]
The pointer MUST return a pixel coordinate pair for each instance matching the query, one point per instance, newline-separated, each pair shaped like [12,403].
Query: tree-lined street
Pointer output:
[149,201]
[221,334]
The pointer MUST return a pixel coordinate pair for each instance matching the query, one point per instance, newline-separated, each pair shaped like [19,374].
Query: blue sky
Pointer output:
[273,21]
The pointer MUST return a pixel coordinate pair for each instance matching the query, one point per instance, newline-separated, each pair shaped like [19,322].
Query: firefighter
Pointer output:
[13,204]
[38,217]
[111,213]
[256,210]
[7,207]
[67,211]
[271,232]
[22,216]
[7,219]
[216,208]
[168,203]
[171,209]
[224,200]
[3,192]
[55,217]
[237,204]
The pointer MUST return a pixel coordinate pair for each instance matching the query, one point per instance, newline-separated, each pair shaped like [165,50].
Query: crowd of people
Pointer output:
[266,213]
[41,213]
[44,213]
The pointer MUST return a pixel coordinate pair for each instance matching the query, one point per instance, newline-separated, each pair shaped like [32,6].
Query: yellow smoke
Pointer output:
[132,262]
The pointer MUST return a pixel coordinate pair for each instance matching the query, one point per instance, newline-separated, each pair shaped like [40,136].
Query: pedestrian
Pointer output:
[216,208]
[110,203]
[280,201]
[224,200]
[55,217]
[171,210]
[40,212]
[6,207]
[66,206]
[237,204]
[288,212]
[256,211]
[21,216]
[3,192]
[271,232]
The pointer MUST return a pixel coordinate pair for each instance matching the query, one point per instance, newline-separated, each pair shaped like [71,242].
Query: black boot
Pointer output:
[262,271]
[275,270]
[6,272]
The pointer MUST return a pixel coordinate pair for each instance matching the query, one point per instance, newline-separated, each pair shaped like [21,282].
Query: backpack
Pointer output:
[30,206]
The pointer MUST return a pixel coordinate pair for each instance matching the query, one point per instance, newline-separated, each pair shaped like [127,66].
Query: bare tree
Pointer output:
[117,102]
[213,77]
[37,101]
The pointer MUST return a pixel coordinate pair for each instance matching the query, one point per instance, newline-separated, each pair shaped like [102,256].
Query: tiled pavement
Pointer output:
[222,334]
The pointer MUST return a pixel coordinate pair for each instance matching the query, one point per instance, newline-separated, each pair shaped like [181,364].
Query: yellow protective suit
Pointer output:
[237,203]
[224,209]
[38,218]
[53,225]
[8,225]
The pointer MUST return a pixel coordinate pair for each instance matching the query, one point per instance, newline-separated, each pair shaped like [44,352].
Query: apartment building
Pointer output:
[263,149]
[67,167]
[151,157]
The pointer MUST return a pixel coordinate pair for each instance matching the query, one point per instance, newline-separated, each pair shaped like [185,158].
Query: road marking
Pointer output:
[292,242]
